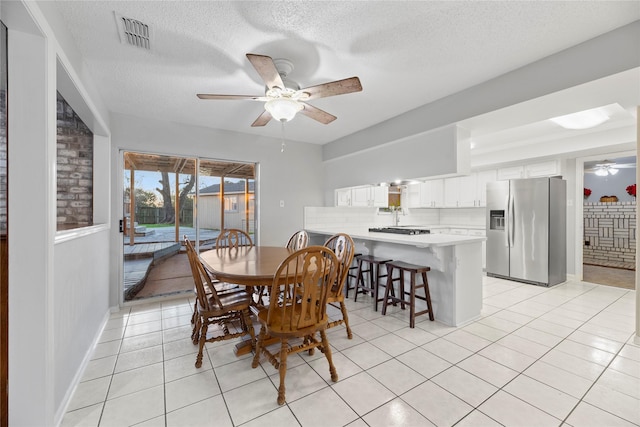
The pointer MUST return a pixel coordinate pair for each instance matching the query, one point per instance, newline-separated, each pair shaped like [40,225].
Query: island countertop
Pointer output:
[418,240]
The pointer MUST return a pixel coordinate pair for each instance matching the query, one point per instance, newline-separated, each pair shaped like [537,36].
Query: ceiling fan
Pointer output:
[608,168]
[283,98]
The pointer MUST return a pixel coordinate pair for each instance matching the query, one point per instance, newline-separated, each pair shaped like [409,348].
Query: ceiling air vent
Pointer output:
[133,32]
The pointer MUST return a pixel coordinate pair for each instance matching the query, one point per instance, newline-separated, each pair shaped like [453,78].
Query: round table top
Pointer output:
[249,266]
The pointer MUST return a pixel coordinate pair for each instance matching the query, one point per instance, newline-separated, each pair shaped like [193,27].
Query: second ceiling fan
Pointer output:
[284,98]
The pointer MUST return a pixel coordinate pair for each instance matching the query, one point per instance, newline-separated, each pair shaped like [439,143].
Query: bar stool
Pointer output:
[372,267]
[401,295]
[352,275]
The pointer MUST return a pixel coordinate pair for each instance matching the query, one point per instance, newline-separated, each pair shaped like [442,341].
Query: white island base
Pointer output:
[455,279]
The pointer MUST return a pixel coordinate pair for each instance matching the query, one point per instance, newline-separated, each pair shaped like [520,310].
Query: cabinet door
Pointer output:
[413,195]
[515,172]
[451,189]
[343,197]
[481,185]
[536,170]
[467,193]
[484,246]
[431,193]
[380,196]
[360,196]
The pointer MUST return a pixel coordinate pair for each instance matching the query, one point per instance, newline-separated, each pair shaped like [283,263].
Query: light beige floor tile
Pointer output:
[467,340]
[236,374]
[537,336]
[396,413]
[585,352]
[252,400]
[543,397]
[620,382]
[363,393]
[109,348]
[279,417]
[559,379]
[436,404]
[511,411]
[444,349]
[523,345]
[464,385]
[396,376]
[134,408]
[313,410]
[183,366]
[138,318]
[141,341]
[302,381]
[138,358]
[344,366]
[619,404]
[423,362]
[488,370]
[484,331]
[393,344]
[416,336]
[207,412]
[627,366]
[99,368]
[366,355]
[586,415]
[89,393]
[573,364]
[142,328]
[136,380]
[154,422]
[630,352]
[179,348]
[476,419]
[84,417]
[595,341]
[189,390]
[507,357]
[369,331]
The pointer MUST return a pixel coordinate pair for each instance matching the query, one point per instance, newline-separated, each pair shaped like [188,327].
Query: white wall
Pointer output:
[57,291]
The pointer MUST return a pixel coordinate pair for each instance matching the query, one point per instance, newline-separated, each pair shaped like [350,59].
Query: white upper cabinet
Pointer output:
[343,197]
[432,193]
[413,196]
[460,192]
[372,196]
[536,170]
[379,196]
[360,196]
[514,172]
[482,178]
[533,170]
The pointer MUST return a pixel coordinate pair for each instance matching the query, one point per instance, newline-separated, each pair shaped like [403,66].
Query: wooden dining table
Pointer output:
[250,266]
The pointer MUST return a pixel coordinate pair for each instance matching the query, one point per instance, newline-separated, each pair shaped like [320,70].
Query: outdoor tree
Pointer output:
[168,211]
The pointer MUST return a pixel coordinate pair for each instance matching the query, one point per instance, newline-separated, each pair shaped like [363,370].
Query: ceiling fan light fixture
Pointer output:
[283,109]
[582,119]
[613,171]
[601,172]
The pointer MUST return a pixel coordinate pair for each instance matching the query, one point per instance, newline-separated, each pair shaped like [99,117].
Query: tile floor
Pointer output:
[537,357]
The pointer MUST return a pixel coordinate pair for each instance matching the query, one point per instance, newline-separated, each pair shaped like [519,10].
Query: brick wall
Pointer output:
[610,234]
[74,169]
[3,162]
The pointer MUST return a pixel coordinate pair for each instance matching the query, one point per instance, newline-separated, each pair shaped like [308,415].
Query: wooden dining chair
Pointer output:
[233,238]
[302,281]
[217,309]
[342,245]
[299,240]
[221,288]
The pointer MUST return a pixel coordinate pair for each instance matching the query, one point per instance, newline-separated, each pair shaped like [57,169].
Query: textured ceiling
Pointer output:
[406,54]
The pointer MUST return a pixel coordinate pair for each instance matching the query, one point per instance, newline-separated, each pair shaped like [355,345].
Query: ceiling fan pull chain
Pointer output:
[282,147]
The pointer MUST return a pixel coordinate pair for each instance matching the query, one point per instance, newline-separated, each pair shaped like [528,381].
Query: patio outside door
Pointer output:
[175,197]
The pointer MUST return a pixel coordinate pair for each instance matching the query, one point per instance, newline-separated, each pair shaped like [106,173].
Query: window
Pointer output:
[231,203]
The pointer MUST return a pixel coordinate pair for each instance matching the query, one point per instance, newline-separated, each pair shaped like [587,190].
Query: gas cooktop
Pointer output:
[400,230]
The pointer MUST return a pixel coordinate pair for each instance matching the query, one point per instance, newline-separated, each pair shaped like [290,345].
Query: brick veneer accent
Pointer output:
[3,162]
[610,229]
[74,169]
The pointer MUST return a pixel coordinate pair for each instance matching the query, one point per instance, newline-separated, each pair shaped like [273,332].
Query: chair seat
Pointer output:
[409,267]
[230,301]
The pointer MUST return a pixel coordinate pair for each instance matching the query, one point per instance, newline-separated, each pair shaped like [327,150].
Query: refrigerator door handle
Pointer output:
[511,224]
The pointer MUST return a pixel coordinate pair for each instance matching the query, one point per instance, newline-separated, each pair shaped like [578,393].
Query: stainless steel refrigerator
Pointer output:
[526,230]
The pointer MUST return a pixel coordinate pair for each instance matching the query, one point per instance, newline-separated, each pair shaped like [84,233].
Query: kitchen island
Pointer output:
[455,279]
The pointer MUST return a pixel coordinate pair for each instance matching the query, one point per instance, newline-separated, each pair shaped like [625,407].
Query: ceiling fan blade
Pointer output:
[262,119]
[267,69]
[338,87]
[244,97]
[317,114]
